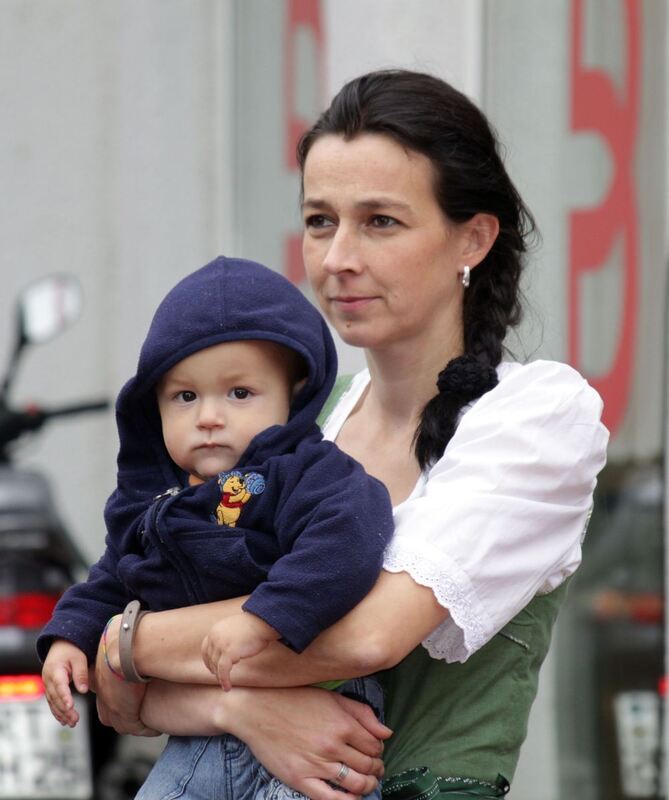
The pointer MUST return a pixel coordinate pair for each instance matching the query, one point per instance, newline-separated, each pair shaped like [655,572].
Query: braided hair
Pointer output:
[428,116]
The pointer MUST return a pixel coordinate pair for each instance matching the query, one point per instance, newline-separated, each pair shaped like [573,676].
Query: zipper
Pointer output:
[158,503]
[173,491]
[156,512]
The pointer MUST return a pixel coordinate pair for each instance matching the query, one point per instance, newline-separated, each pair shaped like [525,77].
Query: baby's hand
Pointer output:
[233,638]
[65,663]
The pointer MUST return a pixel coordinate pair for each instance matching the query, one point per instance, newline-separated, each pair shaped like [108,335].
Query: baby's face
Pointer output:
[214,402]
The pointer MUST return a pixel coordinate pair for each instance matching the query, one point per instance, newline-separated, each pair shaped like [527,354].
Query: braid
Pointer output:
[491,306]
[464,379]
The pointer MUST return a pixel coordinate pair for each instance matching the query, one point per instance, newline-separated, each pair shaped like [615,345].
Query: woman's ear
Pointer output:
[480,234]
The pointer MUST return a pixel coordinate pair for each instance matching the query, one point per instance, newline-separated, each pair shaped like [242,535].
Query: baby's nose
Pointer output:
[211,414]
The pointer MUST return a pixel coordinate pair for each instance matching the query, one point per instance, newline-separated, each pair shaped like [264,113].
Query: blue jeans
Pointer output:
[223,767]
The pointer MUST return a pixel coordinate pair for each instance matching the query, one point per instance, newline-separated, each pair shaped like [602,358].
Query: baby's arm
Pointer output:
[332,526]
[231,639]
[64,663]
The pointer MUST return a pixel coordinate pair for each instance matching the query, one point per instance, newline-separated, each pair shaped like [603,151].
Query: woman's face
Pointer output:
[380,254]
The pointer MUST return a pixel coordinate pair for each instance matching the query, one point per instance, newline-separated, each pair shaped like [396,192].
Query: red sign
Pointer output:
[305,15]
[598,106]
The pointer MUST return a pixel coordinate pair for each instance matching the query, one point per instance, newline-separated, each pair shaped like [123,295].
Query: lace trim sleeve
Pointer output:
[467,627]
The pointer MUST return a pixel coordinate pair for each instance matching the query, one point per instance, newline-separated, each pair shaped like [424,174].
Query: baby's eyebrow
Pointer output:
[170,380]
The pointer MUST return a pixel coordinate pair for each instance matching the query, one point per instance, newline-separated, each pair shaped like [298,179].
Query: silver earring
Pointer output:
[465,276]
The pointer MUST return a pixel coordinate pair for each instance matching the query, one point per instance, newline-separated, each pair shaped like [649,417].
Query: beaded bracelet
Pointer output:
[105,653]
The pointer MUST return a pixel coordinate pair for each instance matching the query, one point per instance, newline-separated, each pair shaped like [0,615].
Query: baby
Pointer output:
[226,487]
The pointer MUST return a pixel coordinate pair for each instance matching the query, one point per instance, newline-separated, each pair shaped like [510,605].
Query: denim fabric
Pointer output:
[223,768]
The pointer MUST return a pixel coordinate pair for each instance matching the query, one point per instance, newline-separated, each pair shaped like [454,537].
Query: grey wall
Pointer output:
[111,163]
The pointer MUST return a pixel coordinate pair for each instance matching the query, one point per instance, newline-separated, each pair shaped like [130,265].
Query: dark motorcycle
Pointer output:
[38,561]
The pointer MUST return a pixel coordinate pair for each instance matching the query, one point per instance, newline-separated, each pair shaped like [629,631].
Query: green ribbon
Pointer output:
[421,784]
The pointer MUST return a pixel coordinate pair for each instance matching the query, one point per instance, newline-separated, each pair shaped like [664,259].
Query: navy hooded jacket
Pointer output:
[309,541]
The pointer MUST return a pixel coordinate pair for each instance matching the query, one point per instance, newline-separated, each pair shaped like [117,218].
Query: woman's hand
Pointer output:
[303,736]
[118,702]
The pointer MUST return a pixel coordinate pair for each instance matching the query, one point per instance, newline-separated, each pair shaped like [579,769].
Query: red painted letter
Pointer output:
[596,106]
[301,14]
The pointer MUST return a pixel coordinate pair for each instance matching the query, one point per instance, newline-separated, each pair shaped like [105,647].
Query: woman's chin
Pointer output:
[357,333]
[367,336]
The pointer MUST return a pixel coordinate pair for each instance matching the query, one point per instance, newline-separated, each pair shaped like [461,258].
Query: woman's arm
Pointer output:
[394,617]
[378,633]
[168,644]
[302,736]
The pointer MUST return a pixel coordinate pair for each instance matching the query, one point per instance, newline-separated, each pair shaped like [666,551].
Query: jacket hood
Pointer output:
[226,300]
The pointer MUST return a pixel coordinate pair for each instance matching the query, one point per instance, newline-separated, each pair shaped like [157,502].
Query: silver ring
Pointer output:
[341,775]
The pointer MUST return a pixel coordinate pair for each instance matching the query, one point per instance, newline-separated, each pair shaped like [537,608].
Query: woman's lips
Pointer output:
[347,303]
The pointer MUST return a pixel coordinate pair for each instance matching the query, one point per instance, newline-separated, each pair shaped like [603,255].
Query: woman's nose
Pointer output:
[343,253]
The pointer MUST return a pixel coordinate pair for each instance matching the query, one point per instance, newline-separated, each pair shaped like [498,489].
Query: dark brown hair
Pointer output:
[427,115]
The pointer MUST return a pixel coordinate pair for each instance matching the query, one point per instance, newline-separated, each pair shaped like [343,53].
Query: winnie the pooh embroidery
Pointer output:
[236,491]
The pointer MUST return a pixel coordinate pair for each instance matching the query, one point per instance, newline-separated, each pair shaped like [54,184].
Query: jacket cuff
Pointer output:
[297,631]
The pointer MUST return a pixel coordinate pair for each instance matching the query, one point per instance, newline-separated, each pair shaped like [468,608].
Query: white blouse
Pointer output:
[502,515]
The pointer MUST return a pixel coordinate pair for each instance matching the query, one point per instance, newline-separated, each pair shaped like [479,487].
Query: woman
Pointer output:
[414,239]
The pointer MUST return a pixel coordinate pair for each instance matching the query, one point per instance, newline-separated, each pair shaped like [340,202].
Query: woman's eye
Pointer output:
[317,221]
[186,396]
[239,393]
[383,221]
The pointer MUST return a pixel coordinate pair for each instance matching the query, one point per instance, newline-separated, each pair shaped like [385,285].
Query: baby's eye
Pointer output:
[240,393]
[186,396]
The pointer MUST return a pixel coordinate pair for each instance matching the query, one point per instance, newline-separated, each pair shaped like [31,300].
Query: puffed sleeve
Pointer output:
[502,514]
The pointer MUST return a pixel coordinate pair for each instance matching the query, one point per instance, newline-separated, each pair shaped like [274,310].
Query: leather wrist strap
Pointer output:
[132,614]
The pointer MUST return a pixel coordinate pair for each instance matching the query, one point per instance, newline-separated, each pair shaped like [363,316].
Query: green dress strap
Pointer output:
[341,385]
